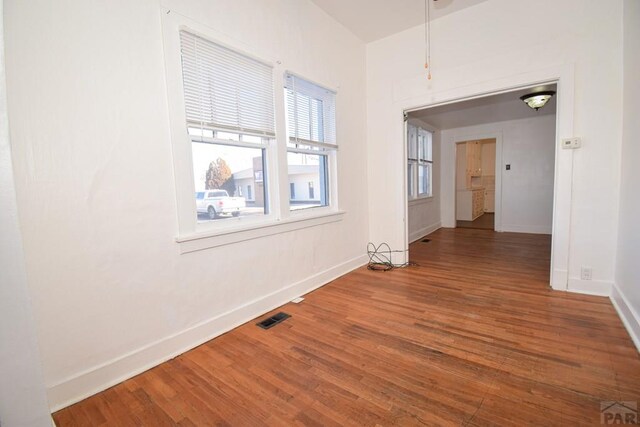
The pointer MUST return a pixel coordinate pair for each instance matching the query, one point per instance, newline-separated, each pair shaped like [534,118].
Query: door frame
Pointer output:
[564,77]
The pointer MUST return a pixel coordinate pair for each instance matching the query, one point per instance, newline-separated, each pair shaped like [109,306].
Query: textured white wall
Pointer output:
[112,294]
[22,392]
[527,189]
[626,292]
[485,47]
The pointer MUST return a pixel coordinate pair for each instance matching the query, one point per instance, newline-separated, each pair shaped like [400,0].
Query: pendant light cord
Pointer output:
[427,38]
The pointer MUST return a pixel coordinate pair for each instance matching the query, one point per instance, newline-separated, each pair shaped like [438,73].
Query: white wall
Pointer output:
[22,392]
[484,48]
[112,294]
[423,215]
[626,292]
[528,145]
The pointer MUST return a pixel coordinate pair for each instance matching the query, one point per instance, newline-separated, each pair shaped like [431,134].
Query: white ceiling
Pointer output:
[490,109]
[375,19]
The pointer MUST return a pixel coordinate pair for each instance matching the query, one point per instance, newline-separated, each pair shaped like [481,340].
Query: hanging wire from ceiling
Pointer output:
[427,38]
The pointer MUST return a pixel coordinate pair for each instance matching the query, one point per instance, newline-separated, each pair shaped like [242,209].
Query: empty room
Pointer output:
[319,212]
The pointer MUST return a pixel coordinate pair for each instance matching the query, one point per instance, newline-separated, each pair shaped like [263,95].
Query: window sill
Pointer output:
[205,240]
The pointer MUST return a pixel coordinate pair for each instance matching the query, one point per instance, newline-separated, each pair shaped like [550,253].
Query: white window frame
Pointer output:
[194,236]
[329,150]
[414,133]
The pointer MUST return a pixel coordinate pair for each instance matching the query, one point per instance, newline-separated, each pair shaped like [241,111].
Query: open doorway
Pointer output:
[476,184]
[494,168]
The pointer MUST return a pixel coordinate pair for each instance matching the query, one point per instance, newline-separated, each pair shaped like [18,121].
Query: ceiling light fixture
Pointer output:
[537,100]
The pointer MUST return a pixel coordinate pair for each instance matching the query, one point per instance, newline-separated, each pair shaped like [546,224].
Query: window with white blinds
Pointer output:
[225,90]
[229,107]
[311,112]
[311,126]
[228,148]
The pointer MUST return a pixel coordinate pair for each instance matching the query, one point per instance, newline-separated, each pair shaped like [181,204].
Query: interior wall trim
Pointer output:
[101,377]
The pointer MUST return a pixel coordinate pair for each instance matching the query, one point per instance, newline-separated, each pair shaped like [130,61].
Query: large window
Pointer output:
[419,162]
[233,170]
[229,108]
[311,125]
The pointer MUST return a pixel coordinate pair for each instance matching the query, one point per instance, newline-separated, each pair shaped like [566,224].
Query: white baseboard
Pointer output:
[559,280]
[418,234]
[531,229]
[590,287]
[108,374]
[627,313]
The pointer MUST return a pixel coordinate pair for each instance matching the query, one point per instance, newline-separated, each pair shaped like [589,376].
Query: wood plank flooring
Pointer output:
[486,221]
[471,336]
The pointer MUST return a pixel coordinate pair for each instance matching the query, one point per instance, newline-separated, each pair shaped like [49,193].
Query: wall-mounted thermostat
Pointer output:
[570,143]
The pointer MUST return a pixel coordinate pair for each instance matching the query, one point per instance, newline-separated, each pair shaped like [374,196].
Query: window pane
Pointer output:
[412,142]
[411,170]
[425,142]
[237,173]
[424,179]
[310,110]
[307,180]
[224,88]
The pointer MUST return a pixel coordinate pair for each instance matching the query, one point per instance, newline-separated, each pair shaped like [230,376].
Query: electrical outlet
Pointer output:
[586,273]
[571,143]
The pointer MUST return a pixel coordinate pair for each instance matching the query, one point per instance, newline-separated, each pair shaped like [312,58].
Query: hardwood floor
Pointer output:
[486,221]
[471,336]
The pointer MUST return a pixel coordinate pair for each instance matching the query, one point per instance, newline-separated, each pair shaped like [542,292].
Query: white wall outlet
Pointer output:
[586,273]
[572,143]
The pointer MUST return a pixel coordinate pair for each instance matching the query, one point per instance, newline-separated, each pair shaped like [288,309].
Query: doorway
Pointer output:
[476,184]
[490,148]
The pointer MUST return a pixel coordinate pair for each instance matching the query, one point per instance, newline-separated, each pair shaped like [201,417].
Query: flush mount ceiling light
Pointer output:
[537,100]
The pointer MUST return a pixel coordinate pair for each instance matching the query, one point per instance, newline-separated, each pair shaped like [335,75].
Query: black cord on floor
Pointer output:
[380,257]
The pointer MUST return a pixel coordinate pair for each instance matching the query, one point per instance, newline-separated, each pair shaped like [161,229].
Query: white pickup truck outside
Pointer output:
[218,202]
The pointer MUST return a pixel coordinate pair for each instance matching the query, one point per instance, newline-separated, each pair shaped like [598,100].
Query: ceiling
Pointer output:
[490,109]
[371,20]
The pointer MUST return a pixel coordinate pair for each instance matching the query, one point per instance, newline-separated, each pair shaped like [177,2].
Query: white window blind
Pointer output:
[226,90]
[311,112]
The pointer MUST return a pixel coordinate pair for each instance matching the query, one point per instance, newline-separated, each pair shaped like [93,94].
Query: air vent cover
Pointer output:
[273,320]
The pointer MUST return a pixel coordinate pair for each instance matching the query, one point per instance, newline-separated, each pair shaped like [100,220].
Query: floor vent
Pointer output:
[425,240]
[273,320]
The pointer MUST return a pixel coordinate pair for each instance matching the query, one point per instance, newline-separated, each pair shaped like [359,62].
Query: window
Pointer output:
[419,162]
[311,126]
[229,107]
[222,110]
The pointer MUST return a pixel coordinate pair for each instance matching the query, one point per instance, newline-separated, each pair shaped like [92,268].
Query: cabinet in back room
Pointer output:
[470,192]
